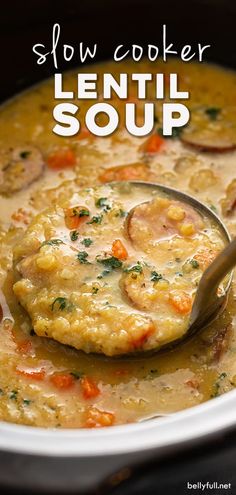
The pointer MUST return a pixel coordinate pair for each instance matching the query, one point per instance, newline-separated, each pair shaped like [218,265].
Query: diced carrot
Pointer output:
[137,343]
[98,419]
[181,302]
[60,159]
[76,216]
[125,172]
[205,257]
[153,144]
[30,373]
[89,388]
[24,346]
[62,381]
[119,250]
[84,133]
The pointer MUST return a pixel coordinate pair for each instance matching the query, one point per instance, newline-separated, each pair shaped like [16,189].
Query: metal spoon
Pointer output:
[207,303]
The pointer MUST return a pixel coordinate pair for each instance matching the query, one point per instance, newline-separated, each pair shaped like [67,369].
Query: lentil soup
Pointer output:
[83,282]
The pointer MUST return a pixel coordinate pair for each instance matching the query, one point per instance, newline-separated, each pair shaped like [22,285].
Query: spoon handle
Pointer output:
[211,278]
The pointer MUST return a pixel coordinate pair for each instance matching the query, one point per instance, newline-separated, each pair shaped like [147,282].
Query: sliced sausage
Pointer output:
[162,218]
[25,165]
[208,141]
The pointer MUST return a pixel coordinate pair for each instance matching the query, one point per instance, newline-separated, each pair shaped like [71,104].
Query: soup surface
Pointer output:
[85,263]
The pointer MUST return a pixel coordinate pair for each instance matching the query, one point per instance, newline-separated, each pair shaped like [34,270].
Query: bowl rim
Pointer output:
[191,425]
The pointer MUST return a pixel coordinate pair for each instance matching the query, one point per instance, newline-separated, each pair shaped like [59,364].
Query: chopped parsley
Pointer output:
[176,132]
[52,242]
[82,257]
[216,389]
[76,374]
[194,263]
[96,219]
[86,242]
[13,395]
[213,112]
[62,303]
[121,213]
[155,277]
[95,290]
[102,203]
[83,212]
[135,268]
[25,154]
[110,263]
[27,402]
[74,234]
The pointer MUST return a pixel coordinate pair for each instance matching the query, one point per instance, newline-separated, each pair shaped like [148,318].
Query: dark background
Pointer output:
[109,23]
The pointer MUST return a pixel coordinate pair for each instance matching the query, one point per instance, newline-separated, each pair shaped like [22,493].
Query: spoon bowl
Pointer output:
[208,302]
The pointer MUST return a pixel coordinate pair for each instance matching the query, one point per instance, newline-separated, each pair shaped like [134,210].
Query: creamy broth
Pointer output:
[46,383]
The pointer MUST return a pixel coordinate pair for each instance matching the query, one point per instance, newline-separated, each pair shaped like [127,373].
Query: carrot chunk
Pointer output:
[76,216]
[125,172]
[84,133]
[30,373]
[60,159]
[153,144]
[98,419]
[181,302]
[119,250]
[89,388]
[205,257]
[140,341]
[62,381]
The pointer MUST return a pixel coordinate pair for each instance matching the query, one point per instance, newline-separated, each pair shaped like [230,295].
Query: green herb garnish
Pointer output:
[216,390]
[87,242]
[176,132]
[155,277]
[95,290]
[110,263]
[27,402]
[82,257]
[135,268]
[102,203]
[80,213]
[213,112]
[74,234]
[194,263]
[76,374]
[52,242]
[62,303]
[13,395]
[96,219]
[121,213]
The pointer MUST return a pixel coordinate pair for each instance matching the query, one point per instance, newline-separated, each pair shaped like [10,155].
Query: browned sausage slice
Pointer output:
[25,165]
[208,142]
[161,218]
